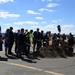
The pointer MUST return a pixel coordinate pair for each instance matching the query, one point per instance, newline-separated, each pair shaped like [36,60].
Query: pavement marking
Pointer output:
[54,73]
[33,68]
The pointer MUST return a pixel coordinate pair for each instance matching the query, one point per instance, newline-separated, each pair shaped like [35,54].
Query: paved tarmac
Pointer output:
[38,66]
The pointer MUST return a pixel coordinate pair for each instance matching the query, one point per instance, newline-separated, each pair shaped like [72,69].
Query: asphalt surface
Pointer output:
[40,66]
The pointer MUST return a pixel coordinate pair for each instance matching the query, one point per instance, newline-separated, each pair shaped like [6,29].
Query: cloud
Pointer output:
[53,28]
[39,18]
[7,14]
[50,27]
[44,22]
[51,5]
[57,21]
[58,0]
[35,27]
[15,28]
[47,0]
[26,22]
[5,1]
[44,9]
[68,28]
[43,0]
[1,23]
[50,0]
[33,12]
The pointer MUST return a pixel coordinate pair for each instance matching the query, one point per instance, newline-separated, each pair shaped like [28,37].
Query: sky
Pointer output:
[43,14]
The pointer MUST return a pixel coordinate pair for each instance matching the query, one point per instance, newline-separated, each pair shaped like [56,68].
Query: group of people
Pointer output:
[25,39]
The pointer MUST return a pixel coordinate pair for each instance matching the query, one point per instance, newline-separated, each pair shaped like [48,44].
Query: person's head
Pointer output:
[26,30]
[11,28]
[49,32]
[31,31]
[42,31]
[22,30]
[38,29]
[70,33]
[18,30]
[54,34]
[63,33]
[7,30]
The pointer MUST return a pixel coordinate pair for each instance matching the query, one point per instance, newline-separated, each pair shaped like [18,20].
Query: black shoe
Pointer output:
[10,53]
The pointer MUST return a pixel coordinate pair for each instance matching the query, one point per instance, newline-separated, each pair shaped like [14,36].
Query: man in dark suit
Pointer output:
[11,38]
[20,40]
[16,40]
[37,40]
[71,42]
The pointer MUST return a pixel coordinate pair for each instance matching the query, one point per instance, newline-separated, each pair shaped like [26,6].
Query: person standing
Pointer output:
[64,37]
[27,44]
[37,40]
[16,40]
[31,36]
[7,41]
[46,38]
[71,42]
[11,38]
[1,42]
[42,36]
[20,43]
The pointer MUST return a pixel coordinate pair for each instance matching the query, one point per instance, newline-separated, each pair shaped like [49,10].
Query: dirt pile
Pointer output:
[53,52]
[48,52]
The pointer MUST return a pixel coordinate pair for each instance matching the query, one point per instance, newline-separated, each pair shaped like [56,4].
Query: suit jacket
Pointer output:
[37,36]
[71,40]
[11,36]
[21,39]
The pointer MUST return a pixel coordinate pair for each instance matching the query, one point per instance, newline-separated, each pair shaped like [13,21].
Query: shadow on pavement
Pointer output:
[13,56]
[3,59]
[29,60]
